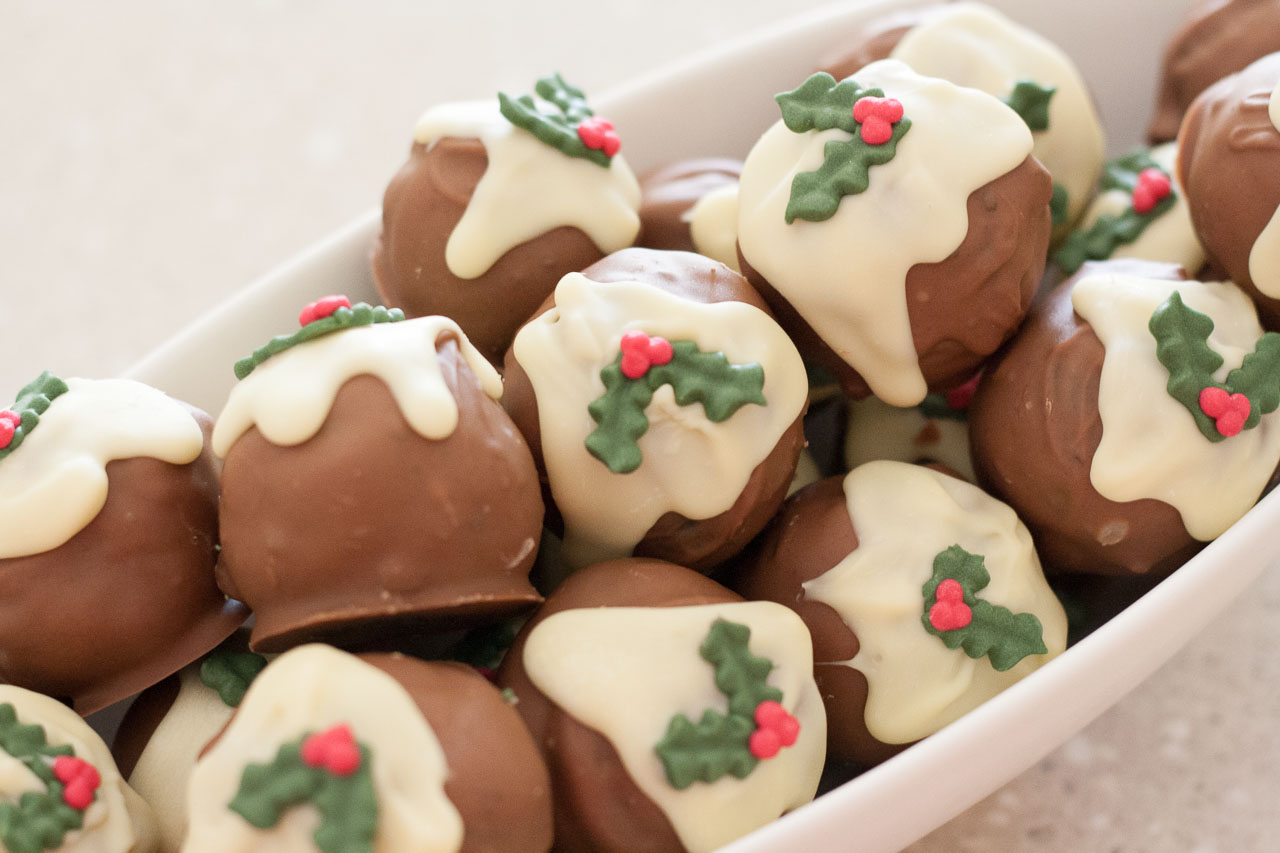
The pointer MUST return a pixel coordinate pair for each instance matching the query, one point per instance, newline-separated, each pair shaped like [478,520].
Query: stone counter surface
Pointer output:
[157,156]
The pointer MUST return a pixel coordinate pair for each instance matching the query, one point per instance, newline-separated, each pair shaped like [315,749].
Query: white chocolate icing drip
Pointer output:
[117,821]
[55,482]
[713,225]
[289,395]
[311,689]
[528,189]
[1151,447]
[971,44]
[1264,257]
[691,466]
[904,516]
[847,275]
[626,671]
[1170,237]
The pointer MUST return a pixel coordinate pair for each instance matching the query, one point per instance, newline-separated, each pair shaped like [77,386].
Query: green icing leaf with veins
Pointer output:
[994,632]
[695,377]
[32,401]
[230,673]
[740,675]
[39,820]
[820,103]
[360,314]
[557,129]
[1030,101]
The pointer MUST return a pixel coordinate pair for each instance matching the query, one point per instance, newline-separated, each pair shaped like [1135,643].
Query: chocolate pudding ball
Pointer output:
[923,594]
[108,536]
[498,200]
[622,661]
[373,488]
[1110,425]
[903,281]
[692,206]
[663,406]
[383,751]
[1229,166]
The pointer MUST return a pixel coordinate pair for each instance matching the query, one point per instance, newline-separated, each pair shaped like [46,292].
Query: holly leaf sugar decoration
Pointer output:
[574,130]
[740,675]
[328,769]
[1220,409]
[644,365]
[1030,101]
[229,673]
[17,422]
[704,751]
[1059,203]
[954,613]
[322,317]
[875,122]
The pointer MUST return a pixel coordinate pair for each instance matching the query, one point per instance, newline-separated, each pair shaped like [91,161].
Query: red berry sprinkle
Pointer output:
[959,398]
[322,308]
[9,423]
[775,728]
[1229,411]
[1153,187]
[79,780]
[333,749]
[764,743]
[877,116]
[949,612]
[597,133]
[640,352]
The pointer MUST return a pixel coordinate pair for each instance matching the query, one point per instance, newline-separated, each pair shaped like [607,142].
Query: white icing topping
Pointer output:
[117,821]
[1264,257]
[289,395]
[1169,237]
[528,189]
[691,465]
[971,44]
[311,689]
[847,275]
[905,515]
[877,430]
[55,482]
[626,671]
[1151,447]
[713,225]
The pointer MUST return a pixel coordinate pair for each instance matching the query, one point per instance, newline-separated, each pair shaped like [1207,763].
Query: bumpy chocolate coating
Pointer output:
[368,531]
[963,308]
[598,807]
[698,544]
[128,600]
[669,192]
[1034,427]
[1229,167]
[420,209]
[1217,38]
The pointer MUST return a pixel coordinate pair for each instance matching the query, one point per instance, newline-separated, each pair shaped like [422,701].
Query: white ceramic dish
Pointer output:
[727,90]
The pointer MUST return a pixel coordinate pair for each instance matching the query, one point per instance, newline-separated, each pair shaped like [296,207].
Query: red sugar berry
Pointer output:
[597,133]
[764,743]
[950,612]
[334,749]
[9,421]
[660,351]
[1153,187]
[79,779]
[640,352]
[877,117]
[322,308]
[960,398]
[1229,411]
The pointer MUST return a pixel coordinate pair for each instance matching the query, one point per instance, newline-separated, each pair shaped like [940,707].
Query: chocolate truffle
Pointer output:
[500,199]
[61,789]
[663,404]
[372,485]
[923,594]
[692,206]
[108,535]
[1217,38]
[971,44]
[386,752]
[1229,165]
[905,280]
[620,663]
[1095,424]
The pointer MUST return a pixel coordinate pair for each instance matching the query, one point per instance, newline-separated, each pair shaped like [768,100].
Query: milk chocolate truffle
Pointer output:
[61,791]
[923,594]
[1229,165]
[692,206]
[108,535]
[971,44]
[663,405]
[1110,425]
[384,753]
[372,485]
[618,667]
[1217,38]
[500,199]
[905,279]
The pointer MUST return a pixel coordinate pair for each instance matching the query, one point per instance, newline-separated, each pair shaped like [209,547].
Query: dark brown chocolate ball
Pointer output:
[669,192]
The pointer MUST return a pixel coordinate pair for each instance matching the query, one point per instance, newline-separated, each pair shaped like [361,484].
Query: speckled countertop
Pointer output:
[156,156]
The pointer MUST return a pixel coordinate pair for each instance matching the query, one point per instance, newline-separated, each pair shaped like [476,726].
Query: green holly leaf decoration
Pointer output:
[820,103]
[1059,204]
[230,672]
[559,130]
[39,820]
[32,401]
[695,377]
[360,314]
[740,675]
[990,631]
[1182,346]
[1030,101]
